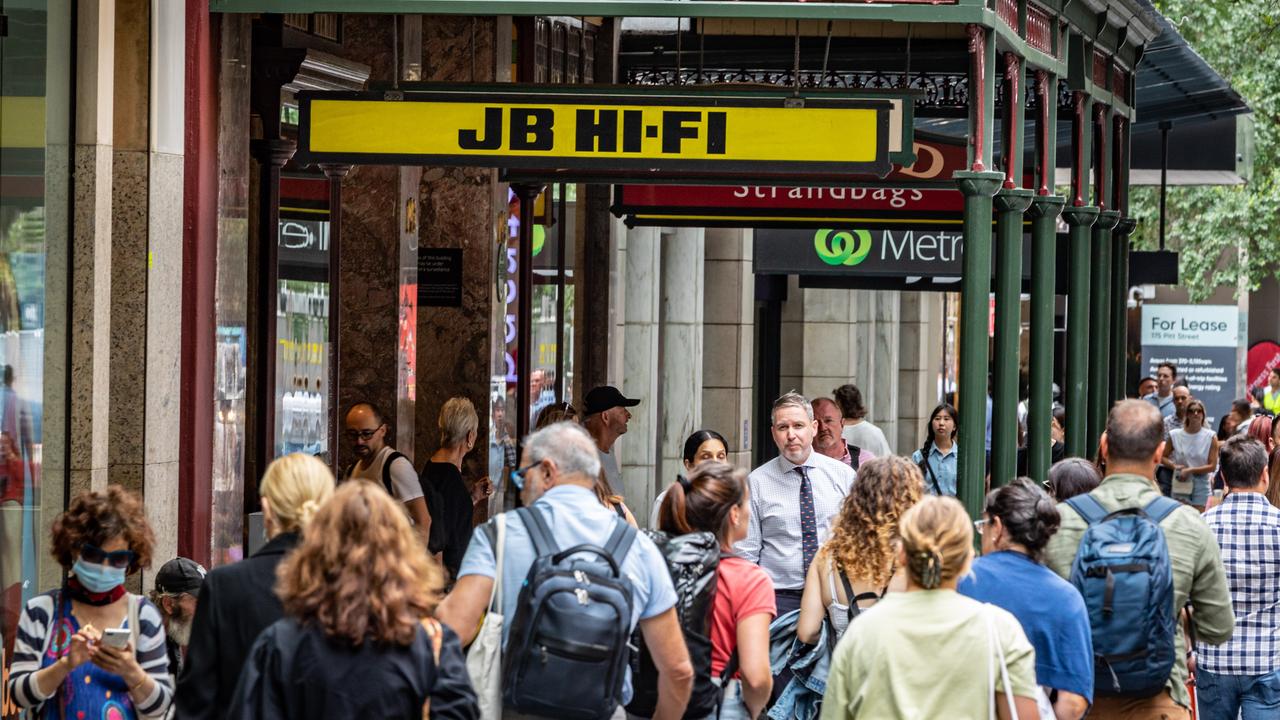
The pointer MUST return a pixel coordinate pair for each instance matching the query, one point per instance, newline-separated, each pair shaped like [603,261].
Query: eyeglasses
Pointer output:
[363,434]
[96,555]
[980,525]
[518,476]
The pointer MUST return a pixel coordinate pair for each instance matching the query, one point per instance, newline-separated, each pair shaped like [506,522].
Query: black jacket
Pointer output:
[296,671]
[237,602]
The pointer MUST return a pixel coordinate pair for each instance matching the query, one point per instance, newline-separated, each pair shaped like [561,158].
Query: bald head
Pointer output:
[1135,429]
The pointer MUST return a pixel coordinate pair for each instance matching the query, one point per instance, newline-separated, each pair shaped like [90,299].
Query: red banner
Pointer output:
[1262,357]
[924,191]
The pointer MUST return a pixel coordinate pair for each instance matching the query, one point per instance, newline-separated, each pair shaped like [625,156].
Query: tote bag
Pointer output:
[484,658]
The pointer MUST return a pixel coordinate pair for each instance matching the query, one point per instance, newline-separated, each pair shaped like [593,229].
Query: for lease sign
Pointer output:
[1202,341]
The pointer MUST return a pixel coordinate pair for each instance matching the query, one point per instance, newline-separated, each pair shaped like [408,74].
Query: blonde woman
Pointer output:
[929,652]
[358,639]
[449,503]
[855,568]
[238,601]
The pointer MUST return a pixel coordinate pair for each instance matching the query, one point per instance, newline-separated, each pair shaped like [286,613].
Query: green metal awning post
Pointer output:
[975,288]
[1080,219]
[1120,306]
[1044,213]
[1100,312]
[1010,203]
[1079,216]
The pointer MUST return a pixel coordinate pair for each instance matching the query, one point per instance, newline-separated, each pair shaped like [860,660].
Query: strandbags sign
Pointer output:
[1203,342]
[697,134]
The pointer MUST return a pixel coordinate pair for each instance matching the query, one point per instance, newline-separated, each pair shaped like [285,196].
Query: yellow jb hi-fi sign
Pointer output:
[682,134]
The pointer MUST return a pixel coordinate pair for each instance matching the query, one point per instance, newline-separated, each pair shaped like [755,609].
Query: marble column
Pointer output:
[457,208]
[921,328]
[91,248]
[638,451]
[129,222]
[164,277]
[728,331]
[682,308]
[369,257]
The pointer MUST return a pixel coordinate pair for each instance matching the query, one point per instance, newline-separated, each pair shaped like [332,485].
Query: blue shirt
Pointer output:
[945,466]
[576,517]
[1163,404]
[1051,611]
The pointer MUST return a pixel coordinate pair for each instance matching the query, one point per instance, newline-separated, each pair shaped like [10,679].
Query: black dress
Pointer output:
[296,671]
[454,515]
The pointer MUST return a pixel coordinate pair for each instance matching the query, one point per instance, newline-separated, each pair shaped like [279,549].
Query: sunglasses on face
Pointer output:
[98,556]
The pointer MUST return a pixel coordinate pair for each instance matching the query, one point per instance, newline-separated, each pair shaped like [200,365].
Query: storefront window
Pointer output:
[302,318]
[35,79]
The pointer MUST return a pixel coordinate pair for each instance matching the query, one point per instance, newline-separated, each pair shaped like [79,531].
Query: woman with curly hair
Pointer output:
[357,639]
[66,663]
[855,567]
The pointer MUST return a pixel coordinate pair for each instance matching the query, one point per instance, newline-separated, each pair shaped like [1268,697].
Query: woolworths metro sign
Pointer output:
[920,252]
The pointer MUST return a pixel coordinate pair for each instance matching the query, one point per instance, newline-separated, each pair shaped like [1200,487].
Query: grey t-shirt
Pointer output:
[609,462]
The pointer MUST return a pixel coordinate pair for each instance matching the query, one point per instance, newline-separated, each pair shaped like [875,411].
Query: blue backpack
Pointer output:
[566,654]
[1122,570]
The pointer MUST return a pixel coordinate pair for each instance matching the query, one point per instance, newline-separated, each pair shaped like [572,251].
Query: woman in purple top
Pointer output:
[1017,523]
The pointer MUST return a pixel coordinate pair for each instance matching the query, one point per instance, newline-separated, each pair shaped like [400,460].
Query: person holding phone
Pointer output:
[90,649]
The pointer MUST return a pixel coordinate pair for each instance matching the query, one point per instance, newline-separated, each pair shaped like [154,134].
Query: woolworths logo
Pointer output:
[842,248]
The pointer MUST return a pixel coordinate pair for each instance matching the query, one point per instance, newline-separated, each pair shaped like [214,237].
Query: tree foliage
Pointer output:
[1210,226]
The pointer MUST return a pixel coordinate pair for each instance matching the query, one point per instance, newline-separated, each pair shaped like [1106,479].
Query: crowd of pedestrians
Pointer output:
[836,580]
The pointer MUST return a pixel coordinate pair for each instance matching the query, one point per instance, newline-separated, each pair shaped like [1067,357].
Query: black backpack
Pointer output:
[566,652]
[692,561]
[854,459]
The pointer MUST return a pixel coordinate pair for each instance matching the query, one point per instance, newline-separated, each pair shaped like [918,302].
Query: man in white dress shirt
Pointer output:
[794,498]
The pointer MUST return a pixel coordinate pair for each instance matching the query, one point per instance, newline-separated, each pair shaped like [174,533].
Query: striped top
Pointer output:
[29,644]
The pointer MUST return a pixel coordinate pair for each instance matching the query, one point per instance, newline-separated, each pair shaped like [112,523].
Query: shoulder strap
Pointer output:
[386,471]
[1088,507]
[134,601]
[928,468]
[543,542]
[854,452]
[1160,508]
[620,541]
[54,613]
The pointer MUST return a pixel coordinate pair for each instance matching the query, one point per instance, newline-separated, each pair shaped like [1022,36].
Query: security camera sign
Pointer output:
[1202,342]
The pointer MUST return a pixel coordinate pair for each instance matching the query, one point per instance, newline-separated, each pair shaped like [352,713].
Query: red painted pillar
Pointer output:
[199,264]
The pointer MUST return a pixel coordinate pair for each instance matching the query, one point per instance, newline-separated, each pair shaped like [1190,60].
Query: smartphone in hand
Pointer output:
[116,637]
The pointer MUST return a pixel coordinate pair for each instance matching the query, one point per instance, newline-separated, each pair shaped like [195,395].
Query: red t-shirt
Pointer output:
[742,590]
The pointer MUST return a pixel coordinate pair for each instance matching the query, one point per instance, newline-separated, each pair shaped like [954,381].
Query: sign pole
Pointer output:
[524,318]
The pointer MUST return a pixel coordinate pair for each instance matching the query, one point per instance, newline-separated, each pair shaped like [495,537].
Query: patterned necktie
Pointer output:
[808,519]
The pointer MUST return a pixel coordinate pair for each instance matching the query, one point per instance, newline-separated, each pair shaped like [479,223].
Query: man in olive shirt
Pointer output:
[1131,447]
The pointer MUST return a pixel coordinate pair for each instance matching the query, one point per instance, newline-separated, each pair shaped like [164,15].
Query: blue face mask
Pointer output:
[96,577]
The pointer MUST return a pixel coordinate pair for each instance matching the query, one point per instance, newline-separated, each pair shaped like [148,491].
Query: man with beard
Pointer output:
[177,586]
[829,440]
[376,461]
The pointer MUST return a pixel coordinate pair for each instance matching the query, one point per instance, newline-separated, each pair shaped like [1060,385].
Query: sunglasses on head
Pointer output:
[96,555]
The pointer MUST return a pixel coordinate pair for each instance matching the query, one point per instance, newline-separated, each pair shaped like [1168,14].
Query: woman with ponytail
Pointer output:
[1017,523]
[238,601]
[930,652]
[714,499]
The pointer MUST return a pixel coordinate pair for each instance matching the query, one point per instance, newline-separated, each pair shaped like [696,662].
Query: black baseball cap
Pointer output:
[604,397]
[180,575]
